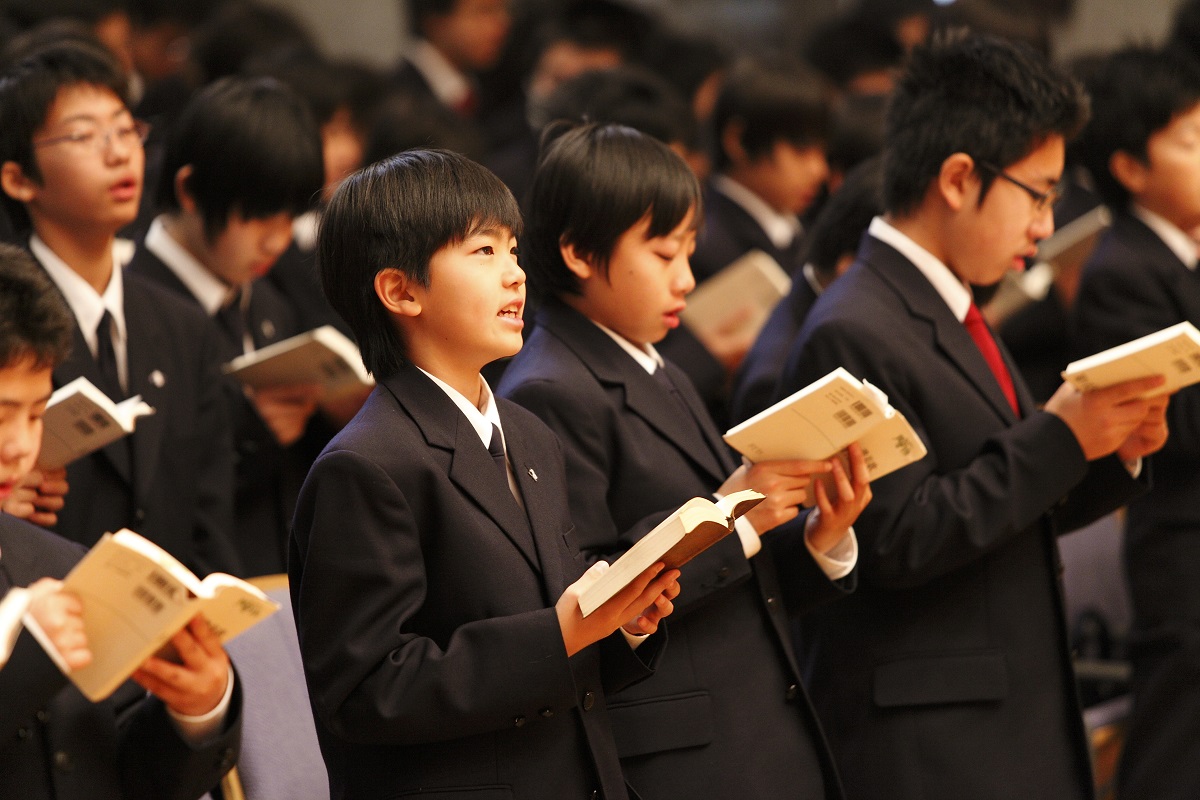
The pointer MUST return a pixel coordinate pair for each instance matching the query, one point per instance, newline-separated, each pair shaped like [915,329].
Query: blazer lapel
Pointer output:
[544,512]
[471,467]
[644,397]
[950,335]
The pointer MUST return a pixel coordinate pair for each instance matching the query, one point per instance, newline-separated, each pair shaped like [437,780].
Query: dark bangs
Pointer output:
[254,148]
[593,184]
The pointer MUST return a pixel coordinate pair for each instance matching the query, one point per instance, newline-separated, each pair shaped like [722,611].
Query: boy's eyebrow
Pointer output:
[92,118]
[8,402]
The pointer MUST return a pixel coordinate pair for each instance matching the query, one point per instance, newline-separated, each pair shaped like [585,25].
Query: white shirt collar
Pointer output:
[85,302]
[781,229]
[304,230]
[956,293]
[647,359]
[1182,245]
[450,86]
[211,292]
[481,420]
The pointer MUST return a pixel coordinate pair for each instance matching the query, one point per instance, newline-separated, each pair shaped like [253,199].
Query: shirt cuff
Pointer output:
[198,730]
[635,640]
[751,543]
[838,561]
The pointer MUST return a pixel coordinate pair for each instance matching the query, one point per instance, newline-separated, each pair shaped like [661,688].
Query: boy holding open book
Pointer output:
[948,675]
[1143,148]
[612,219]
[54,744]
[434,568]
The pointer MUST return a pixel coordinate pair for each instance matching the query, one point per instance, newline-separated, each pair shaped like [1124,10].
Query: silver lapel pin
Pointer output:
[532,474]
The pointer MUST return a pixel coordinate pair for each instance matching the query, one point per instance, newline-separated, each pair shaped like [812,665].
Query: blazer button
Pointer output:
[140,515]
[723,573]
[518,721]
[589,701]
[43,715]
[24,733]
[547,712]
[228,759]
[770,601]
[63,761]
[792,693]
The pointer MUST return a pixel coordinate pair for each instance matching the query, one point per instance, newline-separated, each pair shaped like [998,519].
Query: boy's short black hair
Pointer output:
[34,319]
[593,183]
[254,149]
[773,100]
[241,31]
[630,96]
[844,218]
[396,214]
[1136,93]
[29,87]
[964,93]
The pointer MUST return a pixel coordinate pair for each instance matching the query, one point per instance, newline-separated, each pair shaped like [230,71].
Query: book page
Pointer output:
[80,419]
[1173,352]
[322,356]
[886,448]
[231,605]
[814,423]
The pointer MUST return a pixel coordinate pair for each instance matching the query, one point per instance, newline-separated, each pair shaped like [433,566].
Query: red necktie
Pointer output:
[991,354]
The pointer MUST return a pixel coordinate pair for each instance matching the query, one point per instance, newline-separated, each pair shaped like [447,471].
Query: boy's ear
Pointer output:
[731,142]
[184,195]
[16,184]
[394,290]
[575,262]
[954,180]
[1129,171]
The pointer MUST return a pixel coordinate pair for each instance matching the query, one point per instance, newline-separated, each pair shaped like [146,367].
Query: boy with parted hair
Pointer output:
[1143,148]
[435,572]
[948,674]
[71,174]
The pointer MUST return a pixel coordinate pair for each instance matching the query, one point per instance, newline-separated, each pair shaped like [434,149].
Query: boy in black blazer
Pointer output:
[612,218]
[1143,146]
[948,675]
[435,572]
[243,160]
[54,743]
[72,164]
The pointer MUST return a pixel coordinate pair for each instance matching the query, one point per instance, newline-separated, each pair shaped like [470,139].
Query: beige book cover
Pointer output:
[1173,352]
[823,419]
[738,299]
[136,596]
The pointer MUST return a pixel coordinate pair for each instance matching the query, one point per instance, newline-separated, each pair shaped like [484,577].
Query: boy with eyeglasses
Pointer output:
[948,674]
[71,164]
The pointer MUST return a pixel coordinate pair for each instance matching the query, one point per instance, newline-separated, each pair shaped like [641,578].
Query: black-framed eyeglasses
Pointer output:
[100,139]
[1041,200]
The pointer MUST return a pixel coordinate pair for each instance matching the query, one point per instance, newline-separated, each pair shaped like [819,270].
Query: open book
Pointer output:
[822,420]
[136,596]
[694,527]
[80,419]
[1173,352]
[321,356]
[738,299]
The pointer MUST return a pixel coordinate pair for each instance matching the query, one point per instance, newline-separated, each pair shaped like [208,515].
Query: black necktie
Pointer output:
[106,358]
[496,451]
[233,322]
